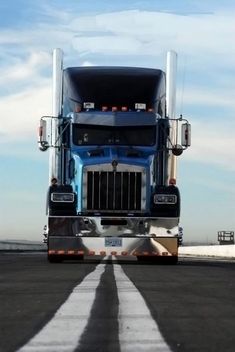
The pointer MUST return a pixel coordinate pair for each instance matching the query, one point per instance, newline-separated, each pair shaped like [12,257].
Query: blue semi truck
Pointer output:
[113,141]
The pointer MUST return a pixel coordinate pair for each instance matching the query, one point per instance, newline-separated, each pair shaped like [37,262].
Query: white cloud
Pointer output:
[28,69]
[156,32]
[213,143]
[211,97]
[206,40]
[27,96]
[20,113]
[121,45]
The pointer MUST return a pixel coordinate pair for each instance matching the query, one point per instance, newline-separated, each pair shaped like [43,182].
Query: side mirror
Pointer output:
[42,138]
[177,150]
[186,135]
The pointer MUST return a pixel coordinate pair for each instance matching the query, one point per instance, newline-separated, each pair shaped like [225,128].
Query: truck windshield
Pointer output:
[121,135]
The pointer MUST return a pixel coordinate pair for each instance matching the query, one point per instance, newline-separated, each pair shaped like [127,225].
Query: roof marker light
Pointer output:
[140,106]
[104,108]
[88,105]
[150,110]
[124,108]
[114,108]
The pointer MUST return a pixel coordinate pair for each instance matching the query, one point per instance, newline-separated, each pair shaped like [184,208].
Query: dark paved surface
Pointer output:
[31,290]
[193,302]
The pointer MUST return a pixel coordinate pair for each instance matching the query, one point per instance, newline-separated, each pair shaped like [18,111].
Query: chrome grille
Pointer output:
[114,190]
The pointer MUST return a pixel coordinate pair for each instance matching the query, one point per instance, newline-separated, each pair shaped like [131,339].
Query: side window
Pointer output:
[67,107]
[159,110]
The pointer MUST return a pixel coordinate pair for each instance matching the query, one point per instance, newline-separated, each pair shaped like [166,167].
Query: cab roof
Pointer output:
[113,86]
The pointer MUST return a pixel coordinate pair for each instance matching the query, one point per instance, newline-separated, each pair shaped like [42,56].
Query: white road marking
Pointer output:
[63,331]
[138,331]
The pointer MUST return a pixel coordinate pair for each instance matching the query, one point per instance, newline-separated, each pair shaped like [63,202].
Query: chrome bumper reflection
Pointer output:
[108,226]
[100,246]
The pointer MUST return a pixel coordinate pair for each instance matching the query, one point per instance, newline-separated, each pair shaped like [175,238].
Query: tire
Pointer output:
[74,257]
[55,258]
[142,258]
[171,260]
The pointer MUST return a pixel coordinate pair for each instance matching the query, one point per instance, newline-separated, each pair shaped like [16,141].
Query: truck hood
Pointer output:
[106,155]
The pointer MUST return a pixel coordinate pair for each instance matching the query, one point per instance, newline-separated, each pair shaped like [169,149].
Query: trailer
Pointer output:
[113,141]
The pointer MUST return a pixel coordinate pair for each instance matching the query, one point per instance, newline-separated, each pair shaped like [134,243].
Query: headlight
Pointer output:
[62,197]
[164,199]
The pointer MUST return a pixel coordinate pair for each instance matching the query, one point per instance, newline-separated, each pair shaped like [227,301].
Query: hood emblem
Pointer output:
[114,165]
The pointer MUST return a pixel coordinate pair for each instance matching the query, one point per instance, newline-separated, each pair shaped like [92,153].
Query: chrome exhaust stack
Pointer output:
[171,73]
[56,113]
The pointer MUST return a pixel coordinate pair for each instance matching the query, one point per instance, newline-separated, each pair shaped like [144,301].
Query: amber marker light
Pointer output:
[91,253]
[165,254]
[172,181]
[61,252]
[124,253]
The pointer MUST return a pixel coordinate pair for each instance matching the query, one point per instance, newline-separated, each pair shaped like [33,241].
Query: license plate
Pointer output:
[113,242]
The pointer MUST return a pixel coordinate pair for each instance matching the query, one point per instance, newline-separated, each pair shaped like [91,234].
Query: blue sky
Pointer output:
[131,33]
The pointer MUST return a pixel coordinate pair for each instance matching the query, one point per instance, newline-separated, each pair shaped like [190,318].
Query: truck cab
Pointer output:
[113,147]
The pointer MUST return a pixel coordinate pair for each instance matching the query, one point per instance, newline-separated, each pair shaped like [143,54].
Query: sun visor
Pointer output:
[115,118]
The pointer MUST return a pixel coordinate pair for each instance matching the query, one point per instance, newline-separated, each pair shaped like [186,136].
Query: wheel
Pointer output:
[171,260]
[55,258]
[74,257]
[143,258]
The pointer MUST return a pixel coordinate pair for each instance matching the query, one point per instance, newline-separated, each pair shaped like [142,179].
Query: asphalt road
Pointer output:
[192,304]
